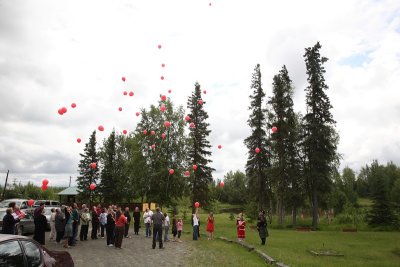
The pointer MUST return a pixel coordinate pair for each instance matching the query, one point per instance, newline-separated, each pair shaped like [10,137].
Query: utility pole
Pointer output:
[70,181]
[5,185]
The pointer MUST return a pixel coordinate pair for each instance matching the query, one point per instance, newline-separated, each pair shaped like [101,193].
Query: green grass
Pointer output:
[291,247]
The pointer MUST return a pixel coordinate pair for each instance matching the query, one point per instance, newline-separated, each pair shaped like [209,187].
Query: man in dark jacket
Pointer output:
[9,223]
[40,226]
[128,217]
[95,223]
[158,221]
[60,225]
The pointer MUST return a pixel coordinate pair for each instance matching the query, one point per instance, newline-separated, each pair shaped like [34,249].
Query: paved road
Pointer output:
[136,251]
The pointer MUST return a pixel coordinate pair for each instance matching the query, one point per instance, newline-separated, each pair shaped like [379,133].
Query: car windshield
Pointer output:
[4,204]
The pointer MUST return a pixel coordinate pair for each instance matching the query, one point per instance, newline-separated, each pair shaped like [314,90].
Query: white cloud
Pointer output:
[55,53]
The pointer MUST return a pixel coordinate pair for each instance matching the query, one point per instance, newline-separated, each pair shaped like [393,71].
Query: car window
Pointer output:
[24,205]
[2,213]
[11,254]
[4,204]
[32,253]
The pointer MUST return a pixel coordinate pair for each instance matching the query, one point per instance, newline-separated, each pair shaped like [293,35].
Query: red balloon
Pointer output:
[257,150]
[209,4]
[152,132]
[187,173]
[169,91]
[162,77]
[64,110]
[73,105]
[124,131]
[167,124]
[163,97]
[131,93]
[125,93]
[200,102]
[163,65]
[93,165]
[171,171]
[144,132]
[219,146]
[194,167]
[159,46]
[187,118]
[44,186]
[137,113]
[163,135]
[101,128]
[192,125]
[163,108]
[274,129]
[153,146]
[92,187]
[196,205]
[120,109]
[31,202]
[78,140]
[204,92]
[60,112]
[45,182]
[123,79]
[221,184]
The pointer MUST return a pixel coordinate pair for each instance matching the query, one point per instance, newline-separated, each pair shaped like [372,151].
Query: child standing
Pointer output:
[210,226]
[179,228]
[174,228]
[241,228]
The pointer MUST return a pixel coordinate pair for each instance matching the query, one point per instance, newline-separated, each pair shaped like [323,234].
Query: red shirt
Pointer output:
[121,221]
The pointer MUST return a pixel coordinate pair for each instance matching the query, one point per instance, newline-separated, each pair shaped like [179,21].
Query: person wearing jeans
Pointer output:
[103,222]
[147,222]
[195,221]
[166,227]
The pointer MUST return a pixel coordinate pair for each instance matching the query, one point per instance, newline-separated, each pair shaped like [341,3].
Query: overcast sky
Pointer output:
[53,53]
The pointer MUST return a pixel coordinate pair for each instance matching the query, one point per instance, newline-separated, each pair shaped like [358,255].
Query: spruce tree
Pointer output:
[199,148]
[258,163]
[88,175]
[320,138]
[286,164]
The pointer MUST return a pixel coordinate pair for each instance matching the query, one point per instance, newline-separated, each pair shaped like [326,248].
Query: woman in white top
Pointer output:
[147,221]
[195,223]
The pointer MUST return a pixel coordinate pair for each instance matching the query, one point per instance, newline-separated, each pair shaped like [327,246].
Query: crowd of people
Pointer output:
[113,224]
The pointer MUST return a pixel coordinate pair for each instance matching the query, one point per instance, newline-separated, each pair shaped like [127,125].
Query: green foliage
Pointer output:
[31,191]
[235,188]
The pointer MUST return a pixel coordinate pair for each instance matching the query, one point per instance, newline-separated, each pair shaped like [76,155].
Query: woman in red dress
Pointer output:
[241,228]
[210,226]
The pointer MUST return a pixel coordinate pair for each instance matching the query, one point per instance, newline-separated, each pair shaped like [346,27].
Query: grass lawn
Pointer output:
[291,247]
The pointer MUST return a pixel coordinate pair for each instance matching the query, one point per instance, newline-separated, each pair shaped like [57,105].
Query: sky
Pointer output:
[54,53]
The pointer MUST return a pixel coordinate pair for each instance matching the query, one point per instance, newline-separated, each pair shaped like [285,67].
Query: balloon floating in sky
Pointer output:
[162,77]
[187,118]
[187,173]
[163,108]
[200,102]
[171,171]
[124,131]
[167,124]
[31,202]
[209,4]
[60,112]
[192,125]
[120,109]
[125,93]
[93,165]
[196,205]
[64,110]
[221,184]
[73,105]
[204,92]
[144,132]
[78,140]
[163,135]
[169,91]
[152,132]
[45,182]
[137,113]
[92,187]
[123,79]
[257,150]
[163,65]
[44,187]
[101,128]
[163,97]
[274,129]
[194,167]
[130,93]
[159,46]
[219,146]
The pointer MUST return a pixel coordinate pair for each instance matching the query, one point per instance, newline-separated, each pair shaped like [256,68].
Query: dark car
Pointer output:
[22,251]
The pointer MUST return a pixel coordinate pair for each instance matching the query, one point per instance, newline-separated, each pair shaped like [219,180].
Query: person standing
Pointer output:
[103,221]
[262,227]
[110,227]
[158,221]
[52,223]
[147,222]
[95,223]
[75,222]
[174,228]
[128,217]
[241,228]
[9,223]
[166,227]
[136,220]
[210,226]
[40,222]
[120,228]
[18,216]
[68,227]
[195,222]
[179,227]
[59,224]
[85,219]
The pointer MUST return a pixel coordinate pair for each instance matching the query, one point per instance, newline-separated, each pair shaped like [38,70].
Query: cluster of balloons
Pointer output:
[45,182]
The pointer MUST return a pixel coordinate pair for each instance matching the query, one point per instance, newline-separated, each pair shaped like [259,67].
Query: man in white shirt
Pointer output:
[147,221]
[195,221]
[166,227]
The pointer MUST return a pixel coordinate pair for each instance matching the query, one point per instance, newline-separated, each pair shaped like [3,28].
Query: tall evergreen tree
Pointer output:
[198,150]
[286,164]
[320,140]
[87,175]
[258,163]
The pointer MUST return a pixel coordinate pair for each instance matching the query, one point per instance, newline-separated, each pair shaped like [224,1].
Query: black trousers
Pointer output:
[74,232]
[59,236]
[94,230]
[126,230]
[110,235]
[84,232]
[102,229]
[157,233]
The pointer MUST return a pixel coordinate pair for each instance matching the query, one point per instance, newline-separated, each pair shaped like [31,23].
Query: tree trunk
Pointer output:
[315,209]
[280,211]
[294,219]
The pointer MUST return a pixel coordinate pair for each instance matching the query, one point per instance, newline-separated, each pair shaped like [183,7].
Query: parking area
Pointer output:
[136,251]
